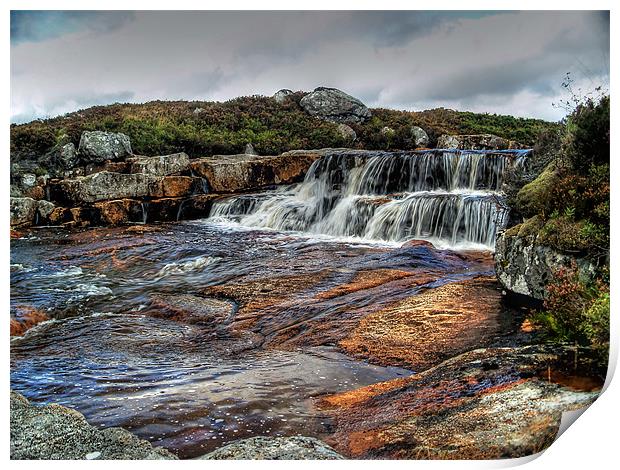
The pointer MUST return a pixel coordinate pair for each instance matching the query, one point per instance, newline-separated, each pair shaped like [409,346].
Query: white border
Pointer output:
[591,442]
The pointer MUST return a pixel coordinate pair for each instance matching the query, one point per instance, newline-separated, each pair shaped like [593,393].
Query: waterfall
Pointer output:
[450,197]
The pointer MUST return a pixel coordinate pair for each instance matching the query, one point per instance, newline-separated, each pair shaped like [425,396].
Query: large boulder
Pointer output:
[419,136]
[23,211]
[54,432]
[98,146]
[281,95]
[275,448]
[234,173]
[164,165]
[525,266]
[331,104]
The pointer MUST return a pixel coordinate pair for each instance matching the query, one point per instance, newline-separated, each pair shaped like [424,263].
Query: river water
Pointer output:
[277,266]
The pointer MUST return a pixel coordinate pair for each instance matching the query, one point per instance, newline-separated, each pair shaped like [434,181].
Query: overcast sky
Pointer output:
[497,62]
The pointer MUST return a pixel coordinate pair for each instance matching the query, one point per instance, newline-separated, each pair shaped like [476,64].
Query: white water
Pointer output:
[451,198]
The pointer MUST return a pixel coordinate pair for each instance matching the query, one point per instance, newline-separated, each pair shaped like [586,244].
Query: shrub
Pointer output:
[576,311]
[587,137]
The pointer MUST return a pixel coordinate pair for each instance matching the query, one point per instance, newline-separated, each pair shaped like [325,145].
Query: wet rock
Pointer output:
[484,404]
[23,211]
[275,448]
[281,95]
[235,173]
[55,432]
[59,216]
[419,136]
[425,329]
[525,267]
[195,207]
[98,146]
[331,104]
[346,132]
[179,186]
[164,165]
[24,317]
[191,309]
[120,211]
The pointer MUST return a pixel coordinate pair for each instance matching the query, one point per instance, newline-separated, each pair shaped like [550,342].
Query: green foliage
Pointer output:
[206,128]
[587,138]
[576,311]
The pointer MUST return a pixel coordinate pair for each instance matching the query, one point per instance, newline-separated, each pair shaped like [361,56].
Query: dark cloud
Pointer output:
[507,62]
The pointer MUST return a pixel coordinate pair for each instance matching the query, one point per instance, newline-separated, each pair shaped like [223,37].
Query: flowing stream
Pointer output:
[451,198]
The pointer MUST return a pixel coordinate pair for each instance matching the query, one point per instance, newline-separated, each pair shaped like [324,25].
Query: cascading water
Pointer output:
[450,197]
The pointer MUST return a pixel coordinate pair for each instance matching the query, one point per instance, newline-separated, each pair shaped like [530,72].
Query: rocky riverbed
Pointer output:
[345,297]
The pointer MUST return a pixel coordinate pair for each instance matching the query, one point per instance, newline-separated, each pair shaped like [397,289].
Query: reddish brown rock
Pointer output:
[26,317]
[238,173]
[424,329]
[484,404]
[191,309]
[179,186]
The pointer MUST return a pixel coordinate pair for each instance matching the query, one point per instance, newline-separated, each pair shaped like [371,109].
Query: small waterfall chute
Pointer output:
[450,197]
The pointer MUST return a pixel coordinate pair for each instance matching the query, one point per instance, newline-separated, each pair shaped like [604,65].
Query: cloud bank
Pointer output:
[498,62]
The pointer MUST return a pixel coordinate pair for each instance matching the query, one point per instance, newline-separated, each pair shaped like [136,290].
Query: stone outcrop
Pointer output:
[98,146]
[419,136]
[275,448]
[484,404]
[525,267]
[238,173]
[331,104]
[475,142]
[55,432]
[165,165]
[106,185]
[281,95]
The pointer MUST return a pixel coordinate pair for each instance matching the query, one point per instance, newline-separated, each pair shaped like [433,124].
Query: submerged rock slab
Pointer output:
[424,329]
[484,404]
[55,432]
[275,448]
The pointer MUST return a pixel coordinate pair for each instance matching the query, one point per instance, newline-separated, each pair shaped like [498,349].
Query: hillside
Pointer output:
[204,128]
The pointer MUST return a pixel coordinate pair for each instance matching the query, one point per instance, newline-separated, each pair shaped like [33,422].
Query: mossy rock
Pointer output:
[533,198]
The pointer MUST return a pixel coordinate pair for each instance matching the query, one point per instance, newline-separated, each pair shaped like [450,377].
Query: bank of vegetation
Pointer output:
[207,128]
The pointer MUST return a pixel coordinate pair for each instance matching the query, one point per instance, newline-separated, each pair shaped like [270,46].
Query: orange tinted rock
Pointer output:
[113,212]
[26,318]
[178,186]
[425,329]
[484,404]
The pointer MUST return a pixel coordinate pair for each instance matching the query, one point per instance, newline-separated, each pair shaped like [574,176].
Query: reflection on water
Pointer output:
[168,381]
